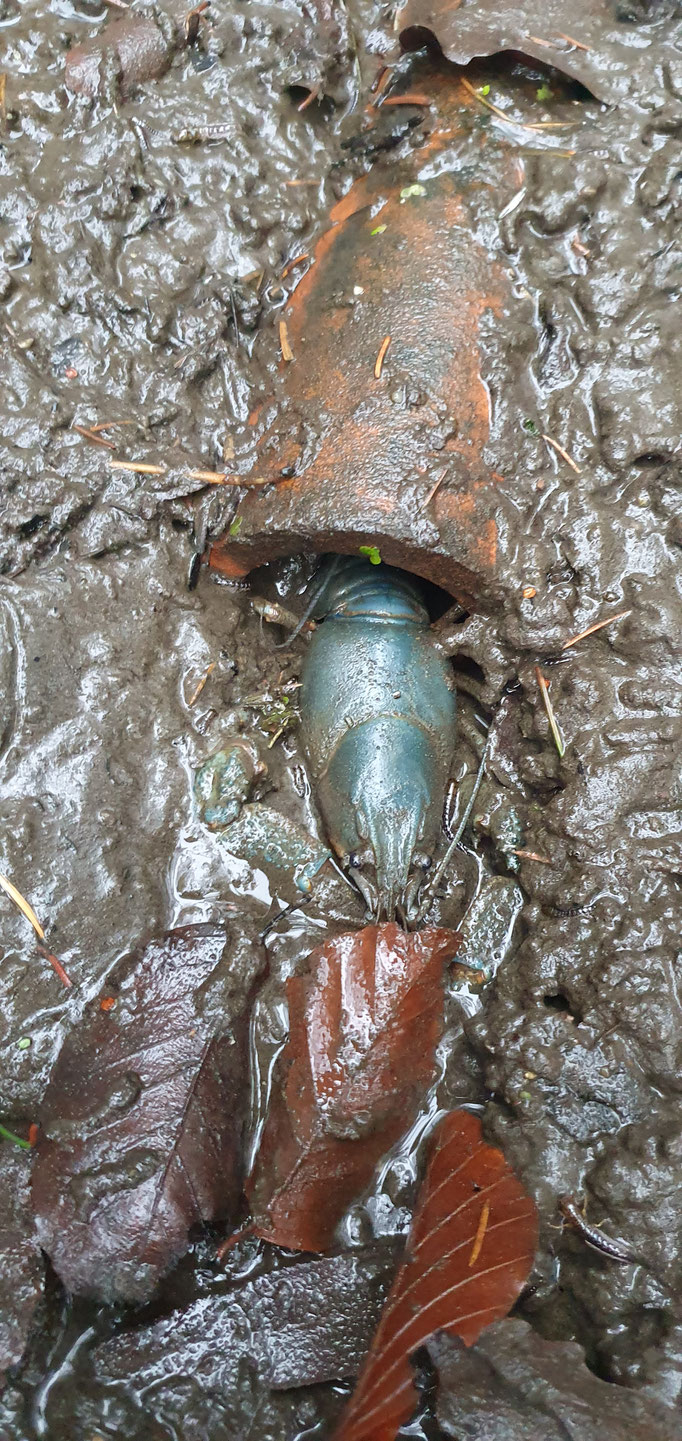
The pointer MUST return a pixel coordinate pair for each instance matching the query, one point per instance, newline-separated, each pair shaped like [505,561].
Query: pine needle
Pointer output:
[549,708]
[592,628]
[22,904]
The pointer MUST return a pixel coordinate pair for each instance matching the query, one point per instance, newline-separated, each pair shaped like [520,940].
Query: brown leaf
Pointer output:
[364,1024]
[142,1119]
[469,1253]
[306,1323]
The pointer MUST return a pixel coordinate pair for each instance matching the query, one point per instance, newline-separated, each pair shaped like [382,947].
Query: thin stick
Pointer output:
[592,628]
[56,965]
[94,439]
[298,260]
[139,466]
[563,453]
[27,910]
[200,685]
[379,362]
[508,119]
[410,98]
[435,488]
[213,477]
[549,708]
[531,855]
[578,43]
[308,100]
[480,1234]
[110,425]
[287,352]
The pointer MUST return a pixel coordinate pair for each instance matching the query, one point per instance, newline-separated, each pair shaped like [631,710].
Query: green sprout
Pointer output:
[484,89]
[409,190]
[530,426]
[235,526]
[378,230]
[544,92]
[372,552]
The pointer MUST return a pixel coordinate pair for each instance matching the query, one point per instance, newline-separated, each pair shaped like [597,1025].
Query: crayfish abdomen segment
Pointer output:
[378,720]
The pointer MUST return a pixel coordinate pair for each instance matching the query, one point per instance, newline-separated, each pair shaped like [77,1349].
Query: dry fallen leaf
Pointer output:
[364,1024]
[469,1253]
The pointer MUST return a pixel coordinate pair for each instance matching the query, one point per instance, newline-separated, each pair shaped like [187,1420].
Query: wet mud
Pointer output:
[141,283]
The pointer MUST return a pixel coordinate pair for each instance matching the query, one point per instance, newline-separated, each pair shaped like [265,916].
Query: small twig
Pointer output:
[592,628]
[27,910]
[549,708]
[379,362]
[409,98]
[287,352]
[94,439]
[480,1234]
[580,249]
[531,856]
[292,183]
[55,963]
[435,488]
[563,453]
[298,260]
[110,425]
[314,94]
[578,43]
[200,684]
[140,466]
[213,477]
[508,119]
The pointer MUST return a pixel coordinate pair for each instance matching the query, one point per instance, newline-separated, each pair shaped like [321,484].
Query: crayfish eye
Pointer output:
[357,859]
[422,862]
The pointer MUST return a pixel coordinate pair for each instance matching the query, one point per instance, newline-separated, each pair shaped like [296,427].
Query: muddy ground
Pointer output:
[126,299]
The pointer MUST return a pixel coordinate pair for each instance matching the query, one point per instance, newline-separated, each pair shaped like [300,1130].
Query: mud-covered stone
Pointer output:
[515,1386]
[21,1265]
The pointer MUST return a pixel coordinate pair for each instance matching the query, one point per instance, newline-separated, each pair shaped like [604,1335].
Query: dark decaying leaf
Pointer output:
[602,61]
[142,1119]
[298,1326]
[364,1023]
[515,1386]
[468,1256]
[21,1266]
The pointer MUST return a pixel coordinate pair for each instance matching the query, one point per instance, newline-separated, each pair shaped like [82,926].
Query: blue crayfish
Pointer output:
[377,706]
